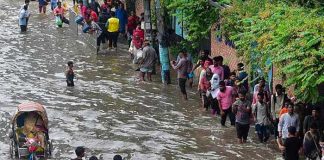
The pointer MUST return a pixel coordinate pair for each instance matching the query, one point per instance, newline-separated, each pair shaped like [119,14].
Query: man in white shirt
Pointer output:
[287,120]
[277,101]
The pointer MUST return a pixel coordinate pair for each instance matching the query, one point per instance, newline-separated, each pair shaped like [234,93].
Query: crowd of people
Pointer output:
[224,92]
[107,21]
[57,8]
[295,125]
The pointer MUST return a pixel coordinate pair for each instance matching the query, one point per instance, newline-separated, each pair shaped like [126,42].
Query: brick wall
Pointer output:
[139,7]
[221,49]
[230,58]
[277,79]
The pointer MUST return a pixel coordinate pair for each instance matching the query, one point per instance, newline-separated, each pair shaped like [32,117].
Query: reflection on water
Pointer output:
[107,111]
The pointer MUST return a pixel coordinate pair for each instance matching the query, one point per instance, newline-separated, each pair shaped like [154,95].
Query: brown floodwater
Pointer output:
[108,111]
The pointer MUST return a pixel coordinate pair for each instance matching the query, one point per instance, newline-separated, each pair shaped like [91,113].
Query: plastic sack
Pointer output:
[139,53]
[85,28]
[58,21]
[78,19]
[138,56]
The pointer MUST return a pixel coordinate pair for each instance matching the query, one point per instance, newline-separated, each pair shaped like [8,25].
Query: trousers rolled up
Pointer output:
[275,129]
[112,38]
[214,105]
[101,39]
[182,85]
[23,28]
[230,114]
[64,20]
[42,8]
[263,132]
[242,130]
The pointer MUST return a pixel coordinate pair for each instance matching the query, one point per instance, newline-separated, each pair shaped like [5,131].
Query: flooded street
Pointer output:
[108,111]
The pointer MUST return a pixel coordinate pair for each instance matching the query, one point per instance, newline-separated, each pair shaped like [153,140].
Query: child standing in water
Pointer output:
[69,73]
[23,18]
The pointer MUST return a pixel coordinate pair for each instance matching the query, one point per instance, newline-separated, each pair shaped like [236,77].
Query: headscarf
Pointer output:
[139,32]
[137,41]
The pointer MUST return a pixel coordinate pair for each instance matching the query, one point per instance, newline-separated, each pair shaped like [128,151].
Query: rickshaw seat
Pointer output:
[21,120]
[20,138]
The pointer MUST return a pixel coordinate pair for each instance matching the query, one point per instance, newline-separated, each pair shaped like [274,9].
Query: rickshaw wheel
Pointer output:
[49,148]
[12,149]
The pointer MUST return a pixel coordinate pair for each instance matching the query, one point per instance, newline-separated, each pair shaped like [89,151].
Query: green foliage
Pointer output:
[184,44]
[289,32]
[197,17]
[306,3]
[290,35]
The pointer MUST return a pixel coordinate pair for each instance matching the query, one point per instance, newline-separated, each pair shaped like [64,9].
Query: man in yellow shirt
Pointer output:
[113,30]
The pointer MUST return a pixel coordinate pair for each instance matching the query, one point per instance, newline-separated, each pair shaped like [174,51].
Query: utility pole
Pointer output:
[147,20]
[163,43]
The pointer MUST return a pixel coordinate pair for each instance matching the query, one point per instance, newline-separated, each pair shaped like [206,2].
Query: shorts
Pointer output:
[242,130]
[145,69]
[23,28]
[70,83]
[101,39]
[182,85]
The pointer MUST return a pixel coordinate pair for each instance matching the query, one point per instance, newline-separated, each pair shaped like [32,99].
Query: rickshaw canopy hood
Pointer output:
[31,107]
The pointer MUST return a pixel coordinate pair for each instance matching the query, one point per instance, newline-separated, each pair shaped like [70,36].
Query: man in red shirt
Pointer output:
[82,9]
[225,98]
[93,16]
[204,86]
[132,22]
[139,32]
[59,11]
[217,68]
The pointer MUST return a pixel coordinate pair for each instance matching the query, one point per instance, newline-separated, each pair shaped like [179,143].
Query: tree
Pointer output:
[197,17]
[163,41]
[290,35]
